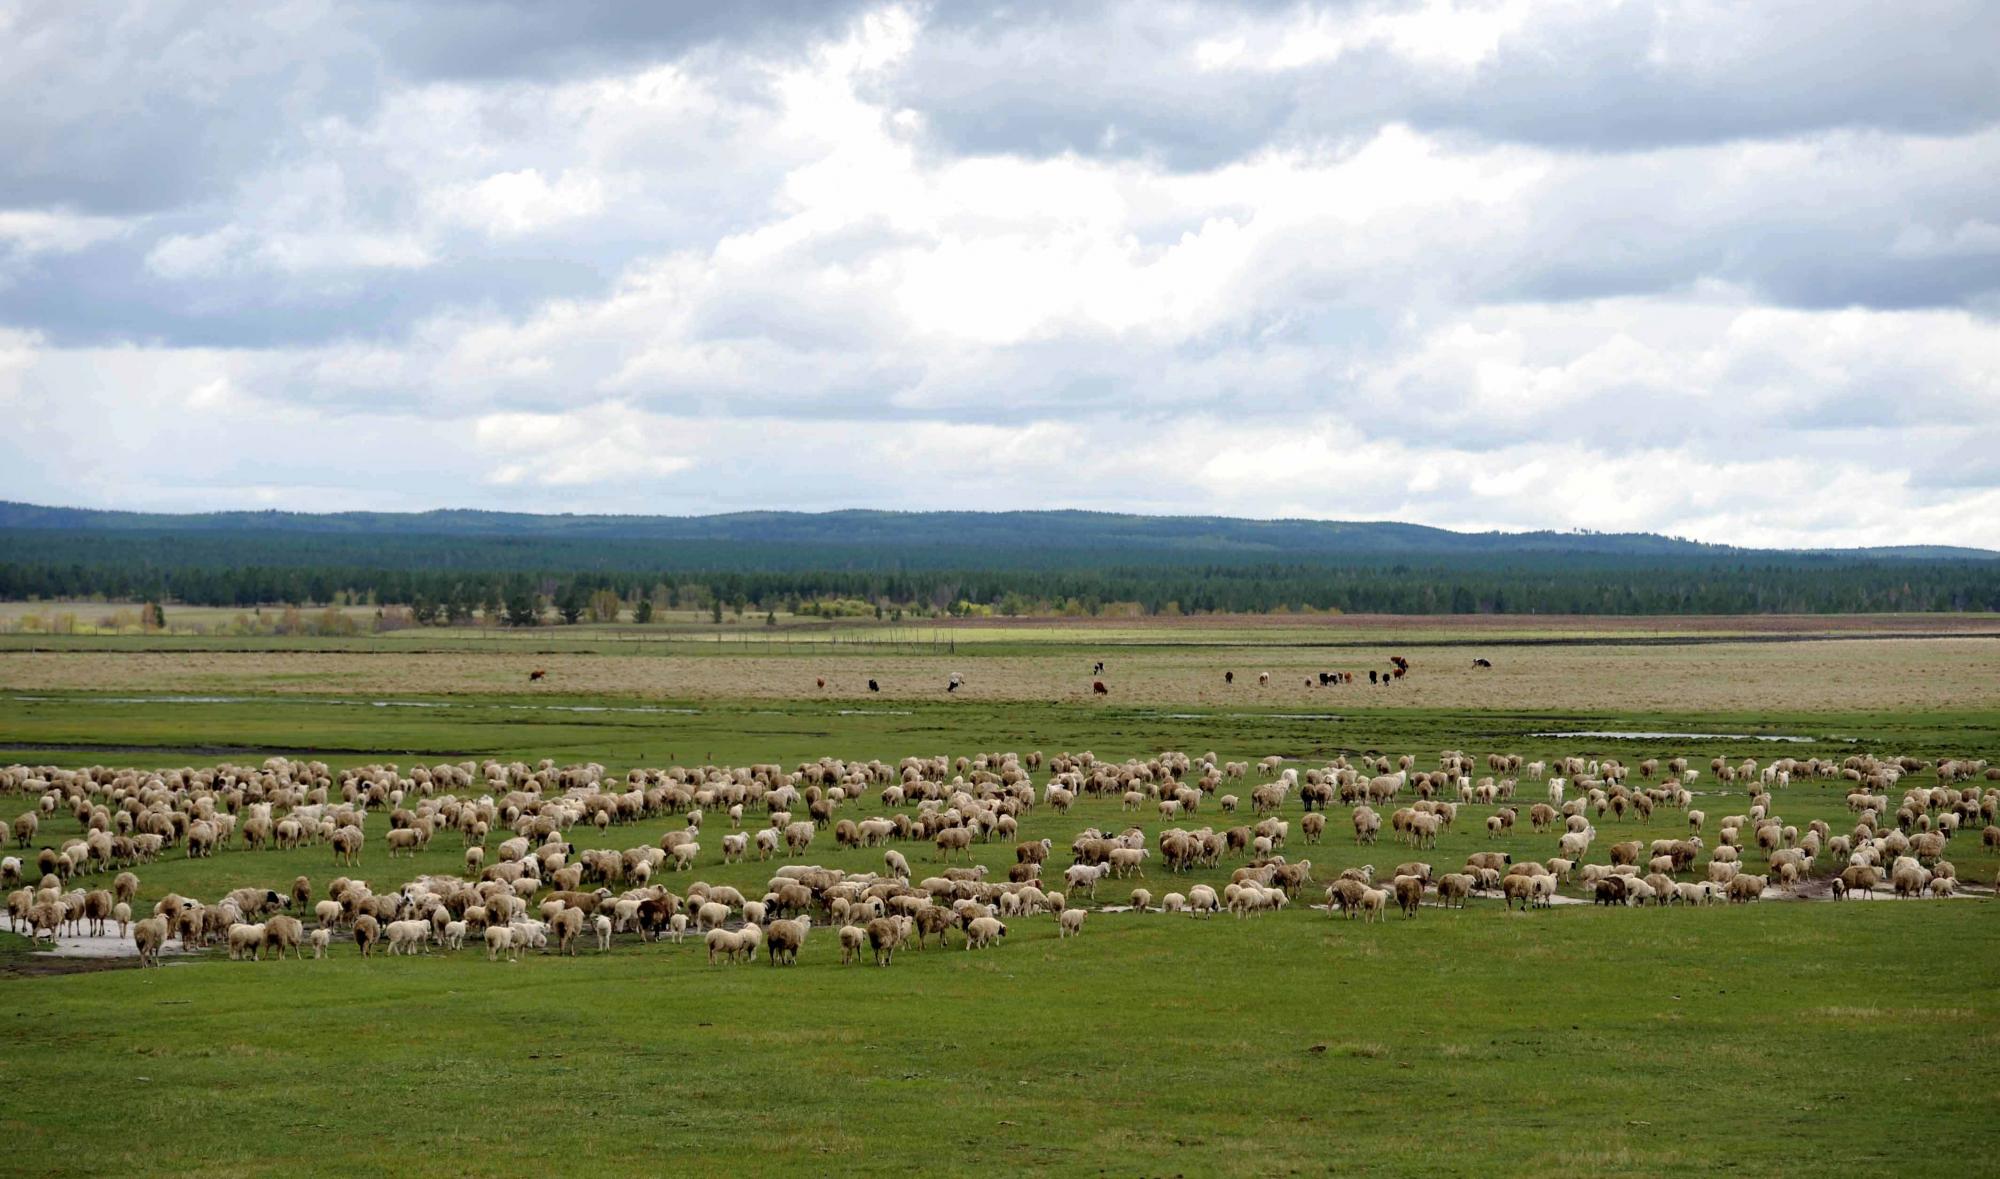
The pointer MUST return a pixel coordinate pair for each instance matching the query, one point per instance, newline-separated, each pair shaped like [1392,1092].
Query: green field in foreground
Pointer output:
[1779,1038]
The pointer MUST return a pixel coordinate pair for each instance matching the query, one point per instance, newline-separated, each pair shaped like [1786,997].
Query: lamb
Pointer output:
[321,939]
[1070,923]
[1142,900]
[1174,902]
[1373,902]
[601,925]
[898,866]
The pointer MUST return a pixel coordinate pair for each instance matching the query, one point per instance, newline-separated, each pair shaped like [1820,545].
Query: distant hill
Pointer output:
[1193,537]
[1008,562]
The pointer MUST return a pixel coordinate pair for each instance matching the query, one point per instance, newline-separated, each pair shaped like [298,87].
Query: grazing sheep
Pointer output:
[1142,900]
[366,932]
[1070,922]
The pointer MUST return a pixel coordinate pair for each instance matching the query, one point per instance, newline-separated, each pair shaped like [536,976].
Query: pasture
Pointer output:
[1794,1035]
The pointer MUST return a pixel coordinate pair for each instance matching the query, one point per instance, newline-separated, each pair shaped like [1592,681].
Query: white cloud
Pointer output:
[741,272]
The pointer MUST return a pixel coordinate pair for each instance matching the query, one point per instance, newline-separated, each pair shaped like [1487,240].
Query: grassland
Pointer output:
[1790,1037]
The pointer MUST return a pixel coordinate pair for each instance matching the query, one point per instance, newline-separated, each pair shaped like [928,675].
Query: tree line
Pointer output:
[533,589]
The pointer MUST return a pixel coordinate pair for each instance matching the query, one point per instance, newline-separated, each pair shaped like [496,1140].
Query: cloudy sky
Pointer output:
[1718,269]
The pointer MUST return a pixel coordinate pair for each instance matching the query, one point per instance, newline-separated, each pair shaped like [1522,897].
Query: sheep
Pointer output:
[408,937]
[982,932]
[601,925]
[1142,900]
[568,926]
[1744,887]
[733,945]
[1070,923]
[366,932]
[283,932]
[786,938]
[321,939]
[149,935]
[1372,903]
[1202,900]
[1409,894]
[885,935]
[244,940]
[1173,902]
[499,939]
[898,866]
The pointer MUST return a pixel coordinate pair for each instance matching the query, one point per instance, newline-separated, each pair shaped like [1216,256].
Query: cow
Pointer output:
[873,686]
[1097,688]
[1482,663]
[537,674]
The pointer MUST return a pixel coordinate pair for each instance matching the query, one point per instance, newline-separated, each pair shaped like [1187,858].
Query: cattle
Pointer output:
[1097,688]
[538,674]
[1482,663]
[873,686]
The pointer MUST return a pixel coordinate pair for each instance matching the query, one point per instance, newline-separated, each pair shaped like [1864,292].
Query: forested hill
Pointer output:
[1196,536]
[459,561]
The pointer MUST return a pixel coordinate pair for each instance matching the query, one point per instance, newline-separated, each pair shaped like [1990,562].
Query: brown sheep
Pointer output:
[1409,894]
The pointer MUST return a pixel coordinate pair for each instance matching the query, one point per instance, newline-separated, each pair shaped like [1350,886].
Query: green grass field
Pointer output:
[1786,1037]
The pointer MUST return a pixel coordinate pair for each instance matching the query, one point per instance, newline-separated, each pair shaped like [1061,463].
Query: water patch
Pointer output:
[1621,735]
[874,712]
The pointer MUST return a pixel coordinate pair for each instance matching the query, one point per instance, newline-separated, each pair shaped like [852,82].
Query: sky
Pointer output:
[1720,270]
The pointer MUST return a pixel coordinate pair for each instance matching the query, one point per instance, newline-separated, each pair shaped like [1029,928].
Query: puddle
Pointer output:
[1622,735]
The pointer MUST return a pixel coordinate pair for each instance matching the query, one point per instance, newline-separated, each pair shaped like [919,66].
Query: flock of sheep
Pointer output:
[527,886]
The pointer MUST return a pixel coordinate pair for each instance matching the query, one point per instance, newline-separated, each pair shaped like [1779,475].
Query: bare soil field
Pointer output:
[1853,675]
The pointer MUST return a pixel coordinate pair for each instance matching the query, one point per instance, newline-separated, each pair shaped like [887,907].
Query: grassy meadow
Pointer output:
[1788,1037]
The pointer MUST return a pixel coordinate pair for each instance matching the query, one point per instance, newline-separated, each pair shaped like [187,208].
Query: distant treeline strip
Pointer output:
[457,577]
